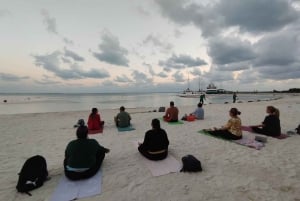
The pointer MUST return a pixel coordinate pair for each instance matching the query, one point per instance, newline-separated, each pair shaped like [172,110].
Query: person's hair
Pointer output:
[155,124]
[172,103]
[94,111]
[234,111]
[122,108]
[82,132]
[273,110]
[199,104]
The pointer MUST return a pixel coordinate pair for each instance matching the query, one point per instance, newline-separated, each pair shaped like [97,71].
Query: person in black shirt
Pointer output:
[271,125]
[156,142]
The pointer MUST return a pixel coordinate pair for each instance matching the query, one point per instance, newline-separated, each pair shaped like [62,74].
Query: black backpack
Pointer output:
[33,174]
[191,164]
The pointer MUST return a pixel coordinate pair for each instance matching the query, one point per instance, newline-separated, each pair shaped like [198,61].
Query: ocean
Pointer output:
[44,102]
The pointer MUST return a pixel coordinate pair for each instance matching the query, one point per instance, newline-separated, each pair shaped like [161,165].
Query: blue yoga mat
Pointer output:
[129,128]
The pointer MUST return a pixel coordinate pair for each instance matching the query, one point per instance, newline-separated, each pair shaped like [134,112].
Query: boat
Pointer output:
[212,89]
[188,93]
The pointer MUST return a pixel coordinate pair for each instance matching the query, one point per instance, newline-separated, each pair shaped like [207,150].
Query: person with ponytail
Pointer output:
[271,124]
[232,130]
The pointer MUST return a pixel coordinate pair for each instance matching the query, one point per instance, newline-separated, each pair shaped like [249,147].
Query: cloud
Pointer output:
[157,42]
[178,76]
[226,50]
[182,61]
[140,77]
[111,51]
[162,75]
[279,55]
[123,78]
[11,77]
[49,22]
[257,15]
[143,11]
[249,16]
[4,13]
[73,55]
[68,41]
[51,62]
[196,71]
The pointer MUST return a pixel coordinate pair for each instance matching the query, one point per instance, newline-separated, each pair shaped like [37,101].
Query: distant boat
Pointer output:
[190,93]
[212,89]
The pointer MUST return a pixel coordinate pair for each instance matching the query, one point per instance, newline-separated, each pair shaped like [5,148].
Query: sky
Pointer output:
[99,46]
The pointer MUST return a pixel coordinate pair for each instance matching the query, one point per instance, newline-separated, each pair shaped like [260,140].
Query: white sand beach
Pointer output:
[230,171]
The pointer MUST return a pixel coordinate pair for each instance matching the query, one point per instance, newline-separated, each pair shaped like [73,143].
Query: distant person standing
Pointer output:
[171,114]
[234,96]
[202,98]
[123,118]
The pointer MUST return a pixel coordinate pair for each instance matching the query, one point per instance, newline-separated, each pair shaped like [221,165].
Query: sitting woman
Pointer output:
[83,156]
[94,121]
[232,130]
[271,124]
[155,145]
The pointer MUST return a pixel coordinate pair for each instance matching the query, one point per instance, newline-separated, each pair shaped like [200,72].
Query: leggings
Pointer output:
[225,134]
[86,174]
[263,131]
[153,157]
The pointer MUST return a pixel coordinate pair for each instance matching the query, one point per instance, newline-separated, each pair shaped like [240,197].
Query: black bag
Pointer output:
[191,164]
[33,174]
[161,109]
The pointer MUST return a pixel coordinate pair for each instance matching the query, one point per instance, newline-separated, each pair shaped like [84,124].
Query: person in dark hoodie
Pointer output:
[156,142]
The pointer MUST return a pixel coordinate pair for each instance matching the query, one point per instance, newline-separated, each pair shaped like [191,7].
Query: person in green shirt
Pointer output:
[83,156]
[123,118]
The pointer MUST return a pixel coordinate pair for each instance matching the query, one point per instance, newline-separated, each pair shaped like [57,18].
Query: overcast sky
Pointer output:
[148,46]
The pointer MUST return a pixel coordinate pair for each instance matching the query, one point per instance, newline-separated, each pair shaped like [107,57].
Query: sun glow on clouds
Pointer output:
[156,45]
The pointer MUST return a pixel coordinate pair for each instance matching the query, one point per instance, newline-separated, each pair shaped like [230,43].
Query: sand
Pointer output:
[231,171]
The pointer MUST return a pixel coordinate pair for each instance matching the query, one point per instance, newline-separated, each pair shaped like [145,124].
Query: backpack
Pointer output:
[33,174]
[191,164]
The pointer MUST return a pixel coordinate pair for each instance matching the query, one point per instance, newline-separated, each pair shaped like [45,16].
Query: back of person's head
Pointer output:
[82,132]
[234,111]
[122,108]
[94,110]
[155,124]
[273,110]
[199,104]
[171,103]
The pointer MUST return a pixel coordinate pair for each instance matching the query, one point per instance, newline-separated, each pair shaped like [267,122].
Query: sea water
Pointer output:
[41,103]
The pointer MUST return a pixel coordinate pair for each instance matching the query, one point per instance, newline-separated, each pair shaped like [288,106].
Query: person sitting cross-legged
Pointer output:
[156,142]
[83,156]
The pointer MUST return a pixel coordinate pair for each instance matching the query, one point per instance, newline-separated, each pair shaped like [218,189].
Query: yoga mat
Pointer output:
[249,129]
[245,141]
[162,167]
[95,131]
[129,128]
[67,190]
[172,123]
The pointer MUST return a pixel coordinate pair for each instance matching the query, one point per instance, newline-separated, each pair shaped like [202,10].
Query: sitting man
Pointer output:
[83,156]
[171,114]
[123,118]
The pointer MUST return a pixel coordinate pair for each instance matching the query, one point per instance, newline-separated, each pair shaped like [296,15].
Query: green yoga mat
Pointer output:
[129,128]
[172,123]
[208,134]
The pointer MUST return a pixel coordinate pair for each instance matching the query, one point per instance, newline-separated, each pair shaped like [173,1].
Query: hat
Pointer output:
[79,123]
